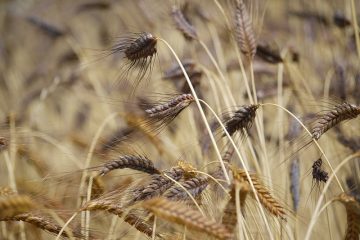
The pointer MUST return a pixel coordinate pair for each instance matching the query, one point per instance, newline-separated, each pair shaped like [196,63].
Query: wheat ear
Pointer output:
[135,162]
[242,119]
[178,213]
[265,197]
[157,186]
[339,113]
[172,108]
[195,186]
[6,191]
[229,218]
[118,210]
[15,204]
[244,33]
[42,223]
[183,25]
[201,111]
[353,216]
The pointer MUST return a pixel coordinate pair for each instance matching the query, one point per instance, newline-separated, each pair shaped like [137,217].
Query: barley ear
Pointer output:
[12,205]
[229,218]
[179,213]
[244,33]
[265,197]
[183,25]
[353,216]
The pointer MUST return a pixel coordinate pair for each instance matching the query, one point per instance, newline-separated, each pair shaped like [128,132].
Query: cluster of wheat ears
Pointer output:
[212,119]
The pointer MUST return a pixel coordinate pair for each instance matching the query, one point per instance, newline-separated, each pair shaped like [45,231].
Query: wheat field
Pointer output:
[149,119]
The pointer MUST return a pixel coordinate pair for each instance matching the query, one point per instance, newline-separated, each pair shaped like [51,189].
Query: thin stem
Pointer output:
[213,85]
[61,222]
[223,13]
[200,109]
[238,212]
[10,167]
[246,81]
[243,163]
[112,228]
[49,139]
[225,85]
[328,221]
[214,179]
[252,98]
[154,229]
[87,213]
[323,208]
[187,192]
[355,26]
[217,45]
[228,25]
[92,148]
[65,225]
[314,140]
[316,213]
[85,217]
[99,90]
[253,80]
[4,231]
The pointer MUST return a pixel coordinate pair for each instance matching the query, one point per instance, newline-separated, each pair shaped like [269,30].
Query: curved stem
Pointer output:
[214,179]
[65,225]
[201,110]
[233,41]
[57,144]
[153,235]
[323,208]
[87,164]
[253,80]
[225,86]
[314,140]
[92,147]
[243,163]
[355,26]
[87,213]
[316,213]
[238,211]
[187,192]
